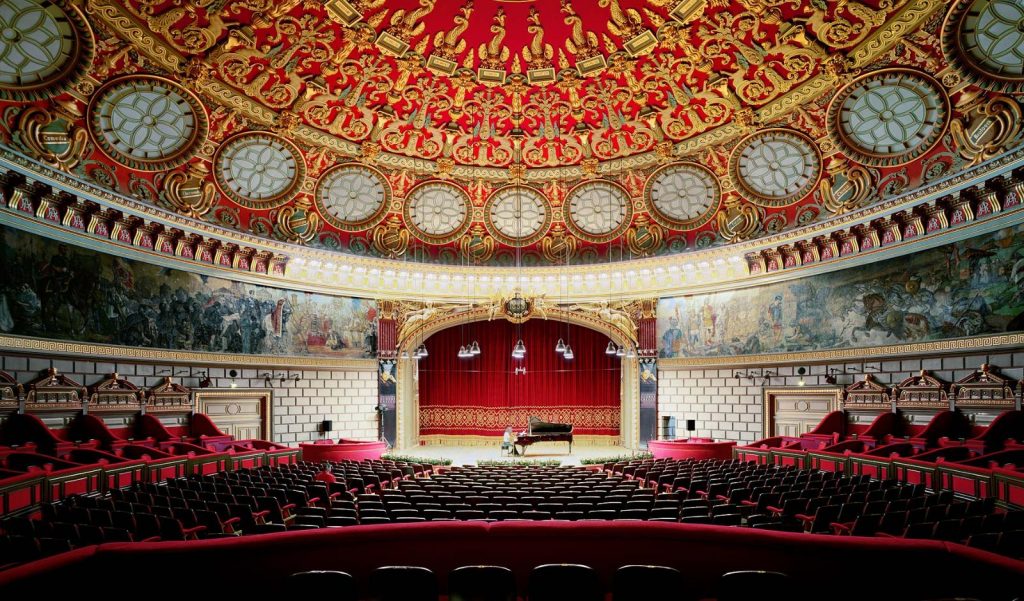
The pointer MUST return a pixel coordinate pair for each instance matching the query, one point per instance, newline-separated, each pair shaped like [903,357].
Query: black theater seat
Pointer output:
[643,583]
[403,583]
[481,583]
[564,582]
[340,586]
[757,585]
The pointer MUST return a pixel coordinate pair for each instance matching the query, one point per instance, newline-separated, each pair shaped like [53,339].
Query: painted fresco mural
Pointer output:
[58,291]
[966,288]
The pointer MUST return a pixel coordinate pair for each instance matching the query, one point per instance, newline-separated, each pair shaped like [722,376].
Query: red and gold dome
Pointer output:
[489,132]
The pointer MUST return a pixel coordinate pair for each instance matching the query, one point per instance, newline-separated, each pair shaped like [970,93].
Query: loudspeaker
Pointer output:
[691,425]
[326,426]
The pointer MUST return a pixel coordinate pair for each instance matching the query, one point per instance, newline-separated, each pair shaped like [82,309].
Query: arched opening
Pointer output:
[444,399]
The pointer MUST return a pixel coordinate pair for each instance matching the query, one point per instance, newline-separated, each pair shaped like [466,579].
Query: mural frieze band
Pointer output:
[64,292]
[968,288]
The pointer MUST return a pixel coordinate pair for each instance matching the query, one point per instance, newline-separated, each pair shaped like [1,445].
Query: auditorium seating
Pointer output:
[723,493]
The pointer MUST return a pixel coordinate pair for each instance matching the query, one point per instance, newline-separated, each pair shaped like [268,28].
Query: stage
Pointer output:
[469,455]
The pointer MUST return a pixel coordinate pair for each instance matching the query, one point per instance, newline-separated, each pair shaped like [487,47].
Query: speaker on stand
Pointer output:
[325,427]
[691,426]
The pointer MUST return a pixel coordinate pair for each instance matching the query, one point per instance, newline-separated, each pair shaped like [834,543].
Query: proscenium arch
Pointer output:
[407,393]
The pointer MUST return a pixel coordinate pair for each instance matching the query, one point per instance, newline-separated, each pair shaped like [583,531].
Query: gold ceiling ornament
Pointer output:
[477,244]
[983,40]
[739,221]
[245,68]
[558,246]
[406,26]
[46,47]
[987,129]
[514,307]
[537,54]
[413,315]
[625,24]
[493,55]
[837,31]
[147,123]
[582,43]
[259,169]
[51,136]
[775,167]
[611,314]
[297,222]
[644,237]
[889,116]
[847,186]
[390,238]
[195,37]
[188,191]
[448,45]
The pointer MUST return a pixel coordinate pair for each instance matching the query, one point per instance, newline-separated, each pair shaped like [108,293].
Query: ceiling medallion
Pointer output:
[258,170]
[352,197]
[437,212]
[517,215]
[775,167]
[682,196]
[597,211]
[985,40]
[888,117]
[45,46]
[146,123]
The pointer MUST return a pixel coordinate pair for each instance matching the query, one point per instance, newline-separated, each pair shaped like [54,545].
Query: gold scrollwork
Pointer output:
[847,186]
[298,223]
[738,222]
[189,193]
[391,238]
[986,130]
[51,137]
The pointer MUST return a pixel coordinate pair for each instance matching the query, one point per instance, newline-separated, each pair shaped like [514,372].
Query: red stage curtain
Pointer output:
[482,396]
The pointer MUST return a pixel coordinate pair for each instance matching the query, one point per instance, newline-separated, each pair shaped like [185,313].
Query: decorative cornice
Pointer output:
[329,272]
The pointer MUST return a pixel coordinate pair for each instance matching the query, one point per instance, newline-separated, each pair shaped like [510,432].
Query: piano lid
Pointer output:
[539,426]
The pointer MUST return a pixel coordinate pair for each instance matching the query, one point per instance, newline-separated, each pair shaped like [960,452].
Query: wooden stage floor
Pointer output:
[469,455]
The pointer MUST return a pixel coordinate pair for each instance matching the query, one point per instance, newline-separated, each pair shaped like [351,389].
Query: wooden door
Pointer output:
[241,412]
[794,410]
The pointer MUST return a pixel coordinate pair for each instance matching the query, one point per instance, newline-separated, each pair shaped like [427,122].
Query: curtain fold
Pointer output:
[482,396]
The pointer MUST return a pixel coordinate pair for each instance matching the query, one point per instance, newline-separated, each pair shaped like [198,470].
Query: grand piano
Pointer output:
[542,431]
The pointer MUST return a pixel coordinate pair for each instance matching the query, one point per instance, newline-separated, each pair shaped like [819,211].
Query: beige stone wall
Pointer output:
[347,397]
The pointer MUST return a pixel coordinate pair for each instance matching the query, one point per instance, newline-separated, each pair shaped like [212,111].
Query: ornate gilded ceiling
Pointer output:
[555,131]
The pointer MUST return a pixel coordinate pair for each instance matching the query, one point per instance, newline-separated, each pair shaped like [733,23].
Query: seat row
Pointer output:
[547,582]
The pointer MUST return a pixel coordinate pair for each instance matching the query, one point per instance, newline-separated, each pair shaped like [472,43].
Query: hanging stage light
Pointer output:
[519,350]
[611,350]
[474,349]
[560,347]
[568,352]
[620,352]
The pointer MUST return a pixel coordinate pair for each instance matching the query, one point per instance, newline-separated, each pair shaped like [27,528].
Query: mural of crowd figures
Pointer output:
[967,288]
[57,291]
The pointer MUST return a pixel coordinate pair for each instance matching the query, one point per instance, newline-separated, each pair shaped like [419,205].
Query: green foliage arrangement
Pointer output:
[420,460]
[616,458]
[507,462]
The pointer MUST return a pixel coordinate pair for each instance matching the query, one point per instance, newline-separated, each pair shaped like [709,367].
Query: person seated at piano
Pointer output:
[508,441]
